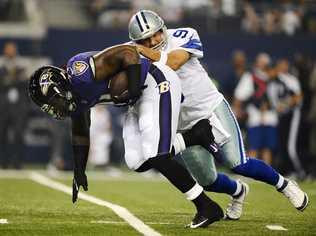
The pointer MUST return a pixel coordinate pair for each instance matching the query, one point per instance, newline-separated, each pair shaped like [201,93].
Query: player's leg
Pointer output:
[174,172]
[201,166]
[254,168]
[157,116]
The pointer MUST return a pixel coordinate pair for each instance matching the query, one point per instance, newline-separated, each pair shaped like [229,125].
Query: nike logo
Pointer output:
[213,148]
[192,226]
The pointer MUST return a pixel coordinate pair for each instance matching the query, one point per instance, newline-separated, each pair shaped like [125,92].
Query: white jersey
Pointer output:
[150,125]
[201,96]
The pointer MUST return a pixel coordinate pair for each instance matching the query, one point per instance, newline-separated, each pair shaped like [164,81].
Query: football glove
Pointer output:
[80,179]
[125,98]
[201,134]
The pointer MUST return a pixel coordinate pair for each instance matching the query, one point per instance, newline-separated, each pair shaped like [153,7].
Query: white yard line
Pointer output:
[93,175]
[120,211]
[4,221]
[276,227]
[123,222]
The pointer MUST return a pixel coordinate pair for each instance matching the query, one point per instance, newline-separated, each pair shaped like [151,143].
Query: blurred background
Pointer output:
[269,46]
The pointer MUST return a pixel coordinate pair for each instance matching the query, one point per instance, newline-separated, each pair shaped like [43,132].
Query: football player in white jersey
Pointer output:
[181,49]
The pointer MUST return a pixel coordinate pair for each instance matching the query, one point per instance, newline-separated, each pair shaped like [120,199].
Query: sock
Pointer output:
[258,170]
[223,184]
[201,201]
[194,192]
[282,183]
[182,180]
[240,190]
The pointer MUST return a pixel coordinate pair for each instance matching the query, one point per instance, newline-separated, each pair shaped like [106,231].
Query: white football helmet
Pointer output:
[145,24]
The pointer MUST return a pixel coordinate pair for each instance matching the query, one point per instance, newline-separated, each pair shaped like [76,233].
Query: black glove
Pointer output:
[125,99]
[80,179]
[200,134]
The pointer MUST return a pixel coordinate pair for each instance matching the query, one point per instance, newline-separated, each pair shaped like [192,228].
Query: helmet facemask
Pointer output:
[60,105]
[163,42]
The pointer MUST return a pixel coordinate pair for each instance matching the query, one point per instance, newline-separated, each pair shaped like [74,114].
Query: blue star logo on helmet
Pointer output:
[79,67]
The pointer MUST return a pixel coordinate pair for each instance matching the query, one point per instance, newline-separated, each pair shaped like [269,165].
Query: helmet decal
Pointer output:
[45,82]
[141,20]
[144,18]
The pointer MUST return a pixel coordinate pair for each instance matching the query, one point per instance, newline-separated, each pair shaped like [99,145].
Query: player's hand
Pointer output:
[125,98]
[80,179]
[121,101]
[201,134]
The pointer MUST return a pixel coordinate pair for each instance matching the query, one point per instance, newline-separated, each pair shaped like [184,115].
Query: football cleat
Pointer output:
[207,216]
[234,209]
[296,196]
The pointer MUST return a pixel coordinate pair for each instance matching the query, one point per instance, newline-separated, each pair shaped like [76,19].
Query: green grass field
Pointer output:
[33,209]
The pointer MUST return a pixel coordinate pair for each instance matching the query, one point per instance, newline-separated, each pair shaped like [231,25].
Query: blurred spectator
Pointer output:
[291,21]
[271,21]
[117,144]
[312,112]
[101,137]
[111,13]
[4,9]
[229,7]
[238,68]
[251,21]
[303,67]
[12,10]
[56,135]
[149,4]
[261,118]
[269,17]
[286,97]
[13,106]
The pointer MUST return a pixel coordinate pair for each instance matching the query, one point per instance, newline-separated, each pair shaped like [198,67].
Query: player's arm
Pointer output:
[174,59]
[80,144]
[118,58]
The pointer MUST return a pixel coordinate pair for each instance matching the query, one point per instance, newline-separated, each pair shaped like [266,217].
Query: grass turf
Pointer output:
[32,209]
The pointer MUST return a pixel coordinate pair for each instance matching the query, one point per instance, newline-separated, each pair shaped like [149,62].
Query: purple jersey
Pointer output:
[87,91]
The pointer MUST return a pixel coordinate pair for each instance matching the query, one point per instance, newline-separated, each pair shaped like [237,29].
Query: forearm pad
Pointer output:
[134,80]
[80,154]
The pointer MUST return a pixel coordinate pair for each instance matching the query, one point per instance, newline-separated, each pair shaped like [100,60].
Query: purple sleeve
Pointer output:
[87,90]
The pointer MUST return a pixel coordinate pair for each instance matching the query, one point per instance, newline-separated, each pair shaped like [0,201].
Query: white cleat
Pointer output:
[296,196]
[234,209]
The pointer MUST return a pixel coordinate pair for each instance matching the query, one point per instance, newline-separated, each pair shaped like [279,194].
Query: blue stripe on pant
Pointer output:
[248,167]
[165,112]
[243,157]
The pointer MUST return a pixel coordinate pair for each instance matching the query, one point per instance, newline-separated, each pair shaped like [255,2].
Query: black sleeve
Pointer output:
[134,80]
[81,141]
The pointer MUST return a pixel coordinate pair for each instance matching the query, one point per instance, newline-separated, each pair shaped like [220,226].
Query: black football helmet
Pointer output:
[49,88]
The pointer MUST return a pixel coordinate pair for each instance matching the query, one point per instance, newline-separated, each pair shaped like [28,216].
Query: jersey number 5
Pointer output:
[180,33]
